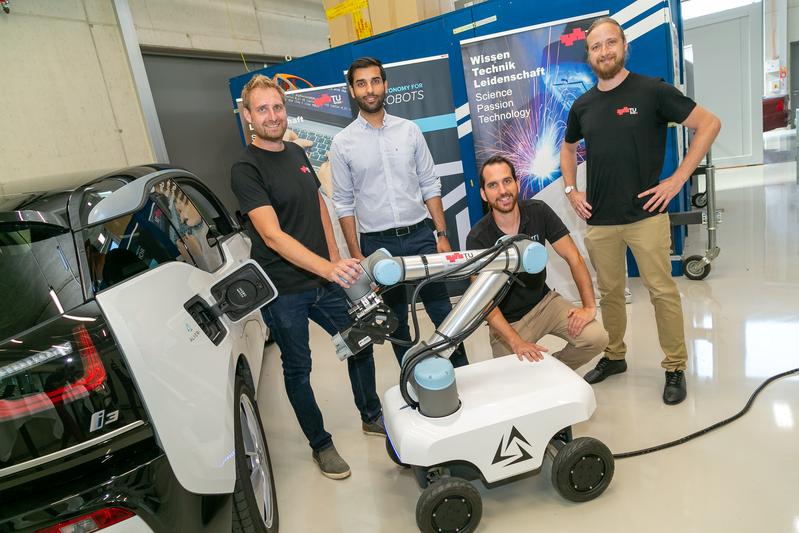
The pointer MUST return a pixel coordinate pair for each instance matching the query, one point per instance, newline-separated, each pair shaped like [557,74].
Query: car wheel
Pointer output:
[254,499]
[582,469]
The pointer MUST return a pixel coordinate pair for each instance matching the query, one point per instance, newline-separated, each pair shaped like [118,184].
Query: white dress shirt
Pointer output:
[382,175]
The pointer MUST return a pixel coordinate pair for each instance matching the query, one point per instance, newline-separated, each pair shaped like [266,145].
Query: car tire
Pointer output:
[254,497]
[449,504]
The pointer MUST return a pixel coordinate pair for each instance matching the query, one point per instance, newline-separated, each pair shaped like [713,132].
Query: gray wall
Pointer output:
[193,104]
[69,102]
[264,27]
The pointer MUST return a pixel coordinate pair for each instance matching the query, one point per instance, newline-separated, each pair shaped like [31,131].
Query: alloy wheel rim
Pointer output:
[256,460]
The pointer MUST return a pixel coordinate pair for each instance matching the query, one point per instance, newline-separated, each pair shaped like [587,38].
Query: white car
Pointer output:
[131,345]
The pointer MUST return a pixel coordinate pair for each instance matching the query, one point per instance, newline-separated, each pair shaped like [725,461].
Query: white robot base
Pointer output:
[498,418]
[512,414]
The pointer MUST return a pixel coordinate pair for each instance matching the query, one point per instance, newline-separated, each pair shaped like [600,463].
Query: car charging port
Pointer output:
[207,318]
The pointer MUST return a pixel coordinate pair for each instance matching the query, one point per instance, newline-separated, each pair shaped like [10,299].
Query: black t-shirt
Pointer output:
[286,181]
[625,140]
[538,221]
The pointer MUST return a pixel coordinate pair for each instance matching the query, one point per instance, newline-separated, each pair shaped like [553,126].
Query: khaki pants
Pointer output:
[549,316]
[649,240]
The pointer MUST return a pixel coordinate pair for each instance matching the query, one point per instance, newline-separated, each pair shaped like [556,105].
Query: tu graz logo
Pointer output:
[505,452]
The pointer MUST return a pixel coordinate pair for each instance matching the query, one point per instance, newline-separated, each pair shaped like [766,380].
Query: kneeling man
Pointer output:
[530,311]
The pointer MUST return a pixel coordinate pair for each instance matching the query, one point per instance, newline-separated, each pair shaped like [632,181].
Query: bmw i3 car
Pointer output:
[131,346]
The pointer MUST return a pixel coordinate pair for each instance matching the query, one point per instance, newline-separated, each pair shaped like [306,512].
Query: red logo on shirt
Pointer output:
[304,169]
[627,111]
[577,34]
[454,257]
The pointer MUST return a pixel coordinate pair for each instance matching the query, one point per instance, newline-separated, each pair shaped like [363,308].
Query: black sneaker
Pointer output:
[604,368]
[331,464]
[674,392]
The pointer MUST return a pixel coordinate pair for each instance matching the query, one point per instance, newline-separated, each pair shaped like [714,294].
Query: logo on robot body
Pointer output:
[504,453]
[456,257]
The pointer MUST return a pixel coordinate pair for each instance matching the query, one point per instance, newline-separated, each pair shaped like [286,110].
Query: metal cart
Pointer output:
[697,267]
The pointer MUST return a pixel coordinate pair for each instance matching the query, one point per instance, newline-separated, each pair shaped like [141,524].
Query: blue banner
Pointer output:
[521,85]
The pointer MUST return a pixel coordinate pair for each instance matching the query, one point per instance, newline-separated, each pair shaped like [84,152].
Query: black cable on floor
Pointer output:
[708,429]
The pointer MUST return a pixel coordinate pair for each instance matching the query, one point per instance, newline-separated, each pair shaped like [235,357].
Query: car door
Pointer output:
[165,288]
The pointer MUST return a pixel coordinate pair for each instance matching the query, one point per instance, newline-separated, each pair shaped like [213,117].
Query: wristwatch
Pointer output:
[568,189]
[441,233]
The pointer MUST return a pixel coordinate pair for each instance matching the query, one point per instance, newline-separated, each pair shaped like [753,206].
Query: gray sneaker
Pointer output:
[376,427]
[331,464]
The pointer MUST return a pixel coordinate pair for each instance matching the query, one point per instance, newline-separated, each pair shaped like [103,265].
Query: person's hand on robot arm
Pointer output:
[707,126]
[344,272]
[568,168]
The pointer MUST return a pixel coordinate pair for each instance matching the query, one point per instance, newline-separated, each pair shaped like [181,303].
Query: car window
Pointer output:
[167,228]
[38,275]
[191,222]
[211,210]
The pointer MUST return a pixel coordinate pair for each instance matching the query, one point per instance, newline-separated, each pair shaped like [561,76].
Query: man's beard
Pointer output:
[371,108]
[263,133]
[606,71]
[496,206]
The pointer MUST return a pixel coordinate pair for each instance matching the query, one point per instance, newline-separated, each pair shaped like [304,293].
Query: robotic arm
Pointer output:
[373,321]
[427,378]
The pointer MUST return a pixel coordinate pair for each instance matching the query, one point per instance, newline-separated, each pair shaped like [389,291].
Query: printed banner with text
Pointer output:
[521,85]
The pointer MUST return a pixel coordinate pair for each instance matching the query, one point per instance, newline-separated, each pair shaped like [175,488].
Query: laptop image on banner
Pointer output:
[317,115]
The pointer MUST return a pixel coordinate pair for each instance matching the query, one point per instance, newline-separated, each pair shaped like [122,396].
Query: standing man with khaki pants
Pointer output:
[623,120]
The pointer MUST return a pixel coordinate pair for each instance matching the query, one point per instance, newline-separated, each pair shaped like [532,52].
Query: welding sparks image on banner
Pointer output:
[521,87]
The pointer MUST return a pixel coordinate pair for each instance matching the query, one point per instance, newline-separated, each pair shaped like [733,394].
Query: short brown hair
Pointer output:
[599,22]
[259,81]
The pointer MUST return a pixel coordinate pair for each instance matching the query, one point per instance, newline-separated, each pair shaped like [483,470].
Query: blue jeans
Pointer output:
[287,317]
[434,295]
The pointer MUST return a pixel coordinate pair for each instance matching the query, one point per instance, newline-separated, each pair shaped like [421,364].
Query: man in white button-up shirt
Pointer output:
[383,173]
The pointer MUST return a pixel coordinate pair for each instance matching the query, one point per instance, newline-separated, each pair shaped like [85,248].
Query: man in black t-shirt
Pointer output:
[292,239]
[623,120]
[531,310]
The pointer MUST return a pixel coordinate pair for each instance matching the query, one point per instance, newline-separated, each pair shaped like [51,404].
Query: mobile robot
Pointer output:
[492,420]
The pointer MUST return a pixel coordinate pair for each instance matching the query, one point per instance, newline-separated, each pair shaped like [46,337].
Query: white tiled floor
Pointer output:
[742,325]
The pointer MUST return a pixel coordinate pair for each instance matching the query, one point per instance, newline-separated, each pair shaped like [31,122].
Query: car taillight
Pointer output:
[87,523]
[93,376]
